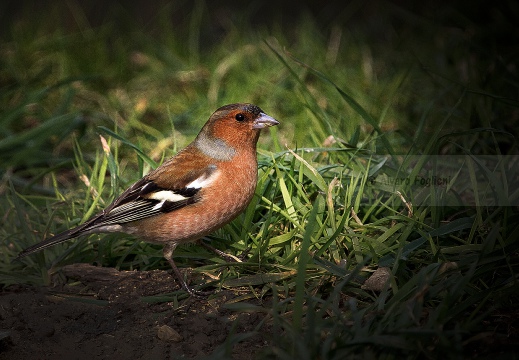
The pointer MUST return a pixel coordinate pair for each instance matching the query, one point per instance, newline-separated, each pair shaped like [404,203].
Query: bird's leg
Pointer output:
[168,255]
[228,257]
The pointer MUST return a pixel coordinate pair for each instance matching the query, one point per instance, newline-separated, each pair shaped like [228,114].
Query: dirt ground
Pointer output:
[104,316]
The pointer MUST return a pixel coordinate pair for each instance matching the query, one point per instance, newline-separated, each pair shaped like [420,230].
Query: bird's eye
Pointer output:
[240,117]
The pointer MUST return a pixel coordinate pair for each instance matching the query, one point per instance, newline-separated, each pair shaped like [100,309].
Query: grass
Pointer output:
[88,109]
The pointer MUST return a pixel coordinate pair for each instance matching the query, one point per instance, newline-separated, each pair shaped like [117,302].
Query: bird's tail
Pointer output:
[57,239]
[88,227]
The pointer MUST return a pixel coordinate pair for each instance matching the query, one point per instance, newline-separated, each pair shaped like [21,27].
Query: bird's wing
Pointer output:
[148,197]
[143,199]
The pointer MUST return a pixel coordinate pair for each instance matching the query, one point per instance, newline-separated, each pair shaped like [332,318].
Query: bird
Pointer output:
[197,191]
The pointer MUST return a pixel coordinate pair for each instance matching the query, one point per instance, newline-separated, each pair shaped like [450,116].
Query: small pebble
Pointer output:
[167,333]
[377,281]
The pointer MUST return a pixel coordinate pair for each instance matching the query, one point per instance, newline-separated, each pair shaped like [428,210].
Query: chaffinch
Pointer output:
[200,189]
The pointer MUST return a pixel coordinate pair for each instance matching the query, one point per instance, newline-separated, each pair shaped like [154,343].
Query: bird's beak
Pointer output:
[264,121]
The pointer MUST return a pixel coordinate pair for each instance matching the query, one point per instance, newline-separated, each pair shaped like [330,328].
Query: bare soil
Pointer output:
[106,315]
